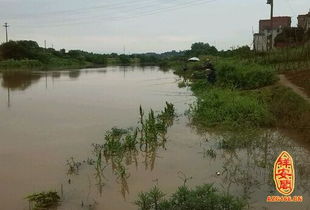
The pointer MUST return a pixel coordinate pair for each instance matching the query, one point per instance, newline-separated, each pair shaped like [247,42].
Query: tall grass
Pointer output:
[228,107]
[285,59]
[243,75]
[288,109]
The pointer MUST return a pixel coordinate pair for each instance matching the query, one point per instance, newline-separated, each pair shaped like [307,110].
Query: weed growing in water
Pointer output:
[151,199]
[202,197]
[118,141]
[43,200]
[209,153]
[121,146]
[74,166]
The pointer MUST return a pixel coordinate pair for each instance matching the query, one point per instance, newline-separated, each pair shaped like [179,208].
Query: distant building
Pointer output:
[260,42]
[266,29]
[277,23]
[304,21]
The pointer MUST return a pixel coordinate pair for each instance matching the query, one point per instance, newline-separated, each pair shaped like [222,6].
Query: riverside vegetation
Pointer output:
[245,95]
[202,197]
[43,200]
[121,147]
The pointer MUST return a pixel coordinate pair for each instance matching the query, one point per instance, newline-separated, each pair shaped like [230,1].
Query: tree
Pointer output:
[20,50]
[201,48]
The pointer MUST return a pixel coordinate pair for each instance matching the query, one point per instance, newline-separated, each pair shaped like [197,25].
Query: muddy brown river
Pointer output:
[47,118]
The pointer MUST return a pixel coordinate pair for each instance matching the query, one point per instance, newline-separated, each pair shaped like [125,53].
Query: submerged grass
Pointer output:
[121,147]
[43,200]
[202,197]
[150,133]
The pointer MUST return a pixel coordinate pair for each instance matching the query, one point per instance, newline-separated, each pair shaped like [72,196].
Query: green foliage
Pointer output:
[201,48]
[118,141]
[20,50]
[285,59]
[288,109]
[243,75]
[15,54]
[228,107]
[203,197]
[43,200]
[240,52]
[121,144]
[150,200]
[124,60]
[149,59]
[20,64]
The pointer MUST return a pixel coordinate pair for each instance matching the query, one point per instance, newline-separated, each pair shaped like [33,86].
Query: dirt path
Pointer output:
[285,82]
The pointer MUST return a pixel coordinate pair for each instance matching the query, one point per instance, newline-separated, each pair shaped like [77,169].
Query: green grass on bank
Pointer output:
[243,75]
[288,109]
[285,59]
[217,106]
[244,95]
[20,64]
[54,63]
[272,106]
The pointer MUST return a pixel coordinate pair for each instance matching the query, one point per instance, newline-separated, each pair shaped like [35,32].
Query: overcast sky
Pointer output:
[140,25]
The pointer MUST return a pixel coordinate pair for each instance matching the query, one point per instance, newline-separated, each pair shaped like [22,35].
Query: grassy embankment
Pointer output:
[28,55]
[246,93]
[54,63]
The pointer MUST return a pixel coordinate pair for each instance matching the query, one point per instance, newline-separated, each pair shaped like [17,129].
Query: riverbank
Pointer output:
[36,65]
[245,94]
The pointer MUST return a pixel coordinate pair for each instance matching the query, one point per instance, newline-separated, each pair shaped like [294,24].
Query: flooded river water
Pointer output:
[47,118]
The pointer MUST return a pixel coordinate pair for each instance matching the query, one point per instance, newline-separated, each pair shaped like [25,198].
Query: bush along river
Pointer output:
[123,138]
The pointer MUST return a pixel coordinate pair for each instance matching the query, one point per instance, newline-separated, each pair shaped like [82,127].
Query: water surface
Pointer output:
[47,118]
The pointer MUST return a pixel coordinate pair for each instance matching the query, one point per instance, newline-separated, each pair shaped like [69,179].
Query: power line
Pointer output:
[119,18]
[128,9]
[6,31]
[86,10]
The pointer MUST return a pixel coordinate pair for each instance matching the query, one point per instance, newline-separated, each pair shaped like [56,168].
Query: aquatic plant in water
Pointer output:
[43,200]
[122,146]
[150,132]
[74,166]
[202,197]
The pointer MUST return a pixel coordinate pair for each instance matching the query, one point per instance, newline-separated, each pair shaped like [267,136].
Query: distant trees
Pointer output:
[201,48]
[20,50]
[124,59]
[24,49]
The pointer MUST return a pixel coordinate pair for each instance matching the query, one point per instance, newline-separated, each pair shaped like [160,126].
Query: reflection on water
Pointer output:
[56,115]
[247,160]
[19,80]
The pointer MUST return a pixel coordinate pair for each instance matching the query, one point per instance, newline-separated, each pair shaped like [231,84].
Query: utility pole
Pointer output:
[45,44]
[271,23]
[6,31]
